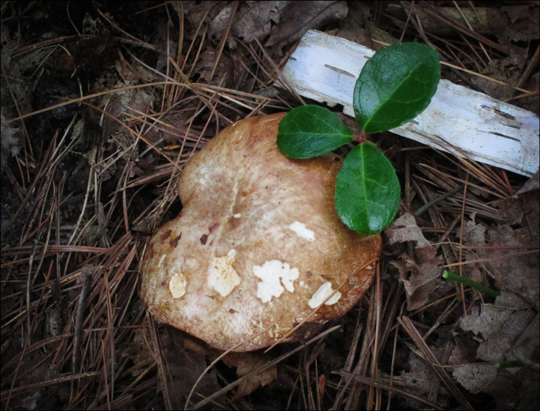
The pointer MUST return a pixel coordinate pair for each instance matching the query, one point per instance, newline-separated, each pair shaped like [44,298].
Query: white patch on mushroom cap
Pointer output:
[271,272]
[222,277]
[322,294]
[302,231]
[178,285]
[237,215]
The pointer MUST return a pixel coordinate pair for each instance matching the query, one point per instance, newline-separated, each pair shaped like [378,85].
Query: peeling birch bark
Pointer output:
[460,121]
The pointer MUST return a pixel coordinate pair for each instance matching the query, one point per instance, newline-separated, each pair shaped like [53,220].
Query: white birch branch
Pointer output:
[458,120]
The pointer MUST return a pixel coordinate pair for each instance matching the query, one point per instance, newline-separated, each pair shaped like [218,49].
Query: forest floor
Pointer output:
[102,105]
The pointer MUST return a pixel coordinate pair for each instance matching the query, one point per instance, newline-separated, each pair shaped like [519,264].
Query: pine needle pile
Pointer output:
[103,104]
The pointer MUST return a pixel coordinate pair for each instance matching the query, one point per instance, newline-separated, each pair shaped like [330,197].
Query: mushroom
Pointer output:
[258,244]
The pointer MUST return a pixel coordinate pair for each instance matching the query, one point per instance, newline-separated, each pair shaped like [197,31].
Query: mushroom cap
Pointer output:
[258,243]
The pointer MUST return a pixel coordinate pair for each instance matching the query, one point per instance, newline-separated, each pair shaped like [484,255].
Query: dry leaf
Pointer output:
[222,73]
[521,210]
[137,351]
[503,390]
[531,103]
[518,23]
[173,129]
[245,363]
[301,16]
[518,274]
[30,402]
[505,70]
[421,378]
[254,19]
[532,184]
[474,234]
[464,350]
[475,377]
[406,229]
[498,326]
[420,277]
[526,348]
[186,359]
[359,27]
[194,11]
[421,374]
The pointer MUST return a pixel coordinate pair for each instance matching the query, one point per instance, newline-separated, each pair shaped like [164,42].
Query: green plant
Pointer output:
[473,284]
[509,364]
[395,85]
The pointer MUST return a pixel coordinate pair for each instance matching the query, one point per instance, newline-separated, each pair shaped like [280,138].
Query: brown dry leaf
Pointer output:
[172,128]
[526,348]
[194,11]
[474,234]
[507,70]
[30,402]
[523,211]
[301,16]
[359,28]
[137,351]
[464,350]
[421,374]
[219,24]
[502,384]
[11,142]
[254,19]
[498,326]
[185,357]
[420,378]
[406,229]
[223,72]
[517,23]
[518,274]
[420,277]
[531,103]
[475,377]
[532,184]
[245,363]
[503,389]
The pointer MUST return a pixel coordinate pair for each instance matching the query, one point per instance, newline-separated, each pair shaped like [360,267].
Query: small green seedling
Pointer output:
[395,85]
[509,364]
[473,284]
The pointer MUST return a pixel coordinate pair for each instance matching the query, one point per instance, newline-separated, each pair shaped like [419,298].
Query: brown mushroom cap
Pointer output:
[258,242]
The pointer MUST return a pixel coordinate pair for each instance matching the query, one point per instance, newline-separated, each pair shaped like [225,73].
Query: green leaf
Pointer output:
[395,85]
[367,190]
[309,131]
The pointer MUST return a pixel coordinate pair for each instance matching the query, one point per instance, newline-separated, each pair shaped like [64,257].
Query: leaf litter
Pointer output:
[90,178]
[421,272]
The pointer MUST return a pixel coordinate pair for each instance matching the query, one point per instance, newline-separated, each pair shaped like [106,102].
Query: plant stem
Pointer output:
[360,137]
[473,284]
[509,364]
